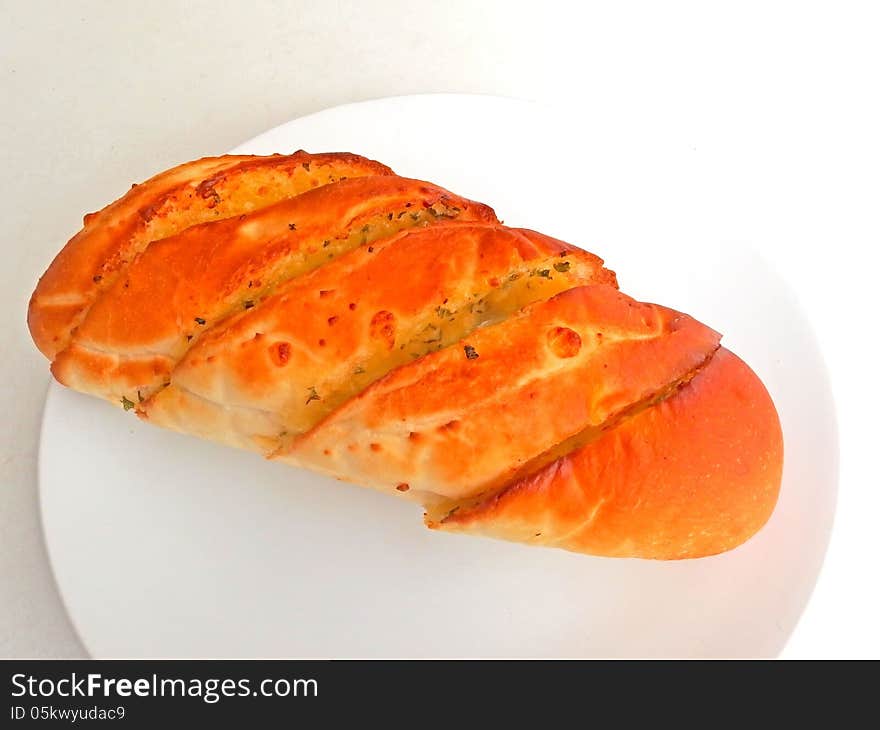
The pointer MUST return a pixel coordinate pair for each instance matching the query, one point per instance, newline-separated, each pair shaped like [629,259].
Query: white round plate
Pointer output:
[164,545]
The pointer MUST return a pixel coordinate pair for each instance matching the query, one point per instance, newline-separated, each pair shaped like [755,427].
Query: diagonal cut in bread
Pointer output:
[272,372]
[208,189]
[180,287]
[693,475]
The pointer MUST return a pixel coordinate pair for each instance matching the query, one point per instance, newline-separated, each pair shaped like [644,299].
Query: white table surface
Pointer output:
[96,95]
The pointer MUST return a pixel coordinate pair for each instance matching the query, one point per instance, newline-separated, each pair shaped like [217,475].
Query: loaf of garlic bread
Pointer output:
[329,314]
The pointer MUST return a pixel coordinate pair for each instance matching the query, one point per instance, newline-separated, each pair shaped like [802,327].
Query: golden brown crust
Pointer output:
[463,419]
[693,475]
[180,286]
[211,188]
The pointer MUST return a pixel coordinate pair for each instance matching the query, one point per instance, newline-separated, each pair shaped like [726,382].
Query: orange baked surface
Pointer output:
[323,311]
